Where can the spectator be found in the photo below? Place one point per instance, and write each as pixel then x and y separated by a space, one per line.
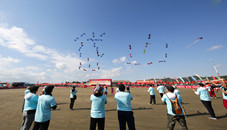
pixel 174 109
pixel 43 114
pixel 72 97
pixel 98 109
pixel 124 109
pixel 30 104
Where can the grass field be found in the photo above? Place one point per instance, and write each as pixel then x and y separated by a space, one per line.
pixel 147 116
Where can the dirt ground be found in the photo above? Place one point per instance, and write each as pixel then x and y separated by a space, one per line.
pixel 147 116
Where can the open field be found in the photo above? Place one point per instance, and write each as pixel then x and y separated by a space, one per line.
pixel 146 116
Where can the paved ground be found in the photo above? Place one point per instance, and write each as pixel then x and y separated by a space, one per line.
pixel 146 116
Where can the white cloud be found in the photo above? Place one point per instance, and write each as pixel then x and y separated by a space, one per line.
pixel 215 48
pixel 133 62
pixel 111 73
pixel 120 60
pixel 123 59
pixel 7 61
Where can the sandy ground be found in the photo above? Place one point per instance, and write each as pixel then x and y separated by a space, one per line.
pixel 147 116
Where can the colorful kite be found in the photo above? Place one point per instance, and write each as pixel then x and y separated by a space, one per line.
pixel 200 38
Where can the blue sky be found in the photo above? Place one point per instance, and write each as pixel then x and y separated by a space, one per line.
pixel 37 39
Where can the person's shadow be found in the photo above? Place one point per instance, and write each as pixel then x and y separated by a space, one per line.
pixel 223 116
pixel 197 114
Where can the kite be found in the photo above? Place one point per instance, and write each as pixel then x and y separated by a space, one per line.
pixel 130 55
pixel 181 79
pixel 144 51
pixel 137 63
pixel 199 77
pixel 161 61
pixel 176 79
pixel 200 38
pixel 166 45
pixel 128 62
pixel 130 47
pixel 102 34
pixel 93 34
pixel 91 63
pixel 149 63
pixel 102 55
pixel 166 55
pixel 149 36
pixel 79 49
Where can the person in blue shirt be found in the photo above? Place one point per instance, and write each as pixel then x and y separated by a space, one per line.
pixel 105 90
pixel 205 99
pixel 161 90
pixel 98 109
pixel 29 108
pixel 174 113
pixel 152 95
pixel 43 112
pixel 72 97
pixel 177 92
pixel 124 108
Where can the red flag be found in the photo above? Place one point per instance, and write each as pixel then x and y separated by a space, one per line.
pixel 213 77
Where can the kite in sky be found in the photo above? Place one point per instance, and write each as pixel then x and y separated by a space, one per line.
pixel 200 38
pixel 146 52
pixel 149 63
pixel 149 36
pixel 90 63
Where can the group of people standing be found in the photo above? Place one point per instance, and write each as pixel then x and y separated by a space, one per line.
pixel 37 108
pixel 124 109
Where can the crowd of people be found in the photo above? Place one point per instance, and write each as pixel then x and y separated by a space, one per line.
pixel 37 109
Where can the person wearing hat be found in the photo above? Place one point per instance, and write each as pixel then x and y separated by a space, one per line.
pixel 124 109
pixel 205 99
pixel 73 97
pixel 98 101
pixel 174 109
pixel 43 112
pixel 29 107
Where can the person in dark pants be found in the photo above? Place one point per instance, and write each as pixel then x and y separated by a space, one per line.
pixel 205 99
pixel 98 109
pixel 43 112
pixel 174 109
pixel 72 97
pixel 152 95
pixel 29 107
pixel 124 109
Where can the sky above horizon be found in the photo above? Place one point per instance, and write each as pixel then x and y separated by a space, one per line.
pixel 37 39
